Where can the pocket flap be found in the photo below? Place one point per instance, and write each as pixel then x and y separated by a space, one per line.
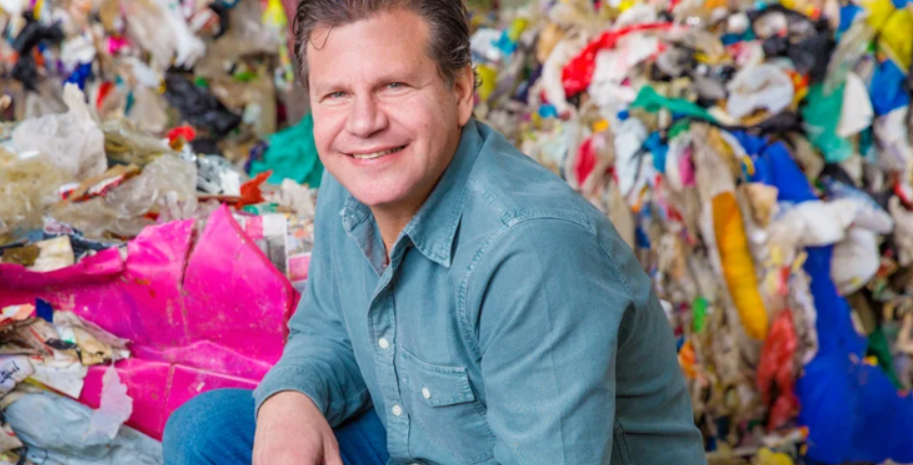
pixel 437 385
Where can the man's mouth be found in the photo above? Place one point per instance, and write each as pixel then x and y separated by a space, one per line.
pixel 373 155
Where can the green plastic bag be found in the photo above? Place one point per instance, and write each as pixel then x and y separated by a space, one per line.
pixel 292 154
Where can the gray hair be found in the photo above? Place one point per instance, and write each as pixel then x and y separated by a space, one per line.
pixel 448 21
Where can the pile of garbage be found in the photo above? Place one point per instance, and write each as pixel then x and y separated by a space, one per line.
pixel 117 115
pixel 757 157
pixel 157 188
pixel 46 355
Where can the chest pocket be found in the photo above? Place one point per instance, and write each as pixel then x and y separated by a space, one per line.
pixel 444 407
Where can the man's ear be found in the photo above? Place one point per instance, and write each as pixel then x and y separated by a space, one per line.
pixel 464 84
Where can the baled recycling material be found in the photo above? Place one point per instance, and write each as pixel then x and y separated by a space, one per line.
pixel 755 155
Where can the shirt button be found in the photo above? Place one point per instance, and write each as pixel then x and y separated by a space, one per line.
pixel 383 343
pixel 426 393
pixel 397 410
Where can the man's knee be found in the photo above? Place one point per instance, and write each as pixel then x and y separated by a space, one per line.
pixel 198 431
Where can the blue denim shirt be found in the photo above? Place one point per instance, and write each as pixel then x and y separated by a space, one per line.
pixel 512 326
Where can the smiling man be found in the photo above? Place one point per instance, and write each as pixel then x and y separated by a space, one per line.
pixel 465 306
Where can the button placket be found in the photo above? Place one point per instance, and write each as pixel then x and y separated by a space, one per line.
pixel 382 321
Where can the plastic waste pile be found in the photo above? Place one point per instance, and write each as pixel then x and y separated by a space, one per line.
pixel 757 157
pixel 151 206
pixel 46 352
pixel 116 115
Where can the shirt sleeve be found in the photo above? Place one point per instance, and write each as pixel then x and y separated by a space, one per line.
pixel 318 359
pixel 551 306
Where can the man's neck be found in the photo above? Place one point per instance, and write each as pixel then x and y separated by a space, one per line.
pixel 392 221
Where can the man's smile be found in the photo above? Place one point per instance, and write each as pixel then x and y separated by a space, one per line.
pixel 371 155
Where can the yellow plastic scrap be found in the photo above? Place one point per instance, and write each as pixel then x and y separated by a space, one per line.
pixel 879 11
pixel 489 78
pixel 626 4
pixel 769 457
pixel 896 38
pixel 738 268
pixel 517 28
pixel 893 26
pixel 274 14
pixel 804 7
pixel 39 6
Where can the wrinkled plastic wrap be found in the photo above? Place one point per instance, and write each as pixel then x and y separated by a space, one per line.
pixel 157 25
pixel 72 141
pixel 200 315
pixel 57 431
pixel 27 188
pixel 166 185
pixel 126 144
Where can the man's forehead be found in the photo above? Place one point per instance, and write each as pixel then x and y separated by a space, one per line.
pixel 377 49
pixel 387 29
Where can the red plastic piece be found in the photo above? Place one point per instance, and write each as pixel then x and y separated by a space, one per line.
pixel 578 73
pixel 777 367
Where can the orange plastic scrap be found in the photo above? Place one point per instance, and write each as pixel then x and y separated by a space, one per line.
pixel 738 268
pixel 777 367
pixel 250 190
pixel 688 360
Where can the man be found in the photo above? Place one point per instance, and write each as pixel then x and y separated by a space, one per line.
pixel 465 306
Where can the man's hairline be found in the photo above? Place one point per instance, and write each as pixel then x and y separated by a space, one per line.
pixel 451 83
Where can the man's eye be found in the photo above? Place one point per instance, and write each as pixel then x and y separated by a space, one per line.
pixel 396 85
pixel 338 94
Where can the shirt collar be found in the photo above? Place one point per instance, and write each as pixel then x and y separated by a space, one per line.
pixel 433 228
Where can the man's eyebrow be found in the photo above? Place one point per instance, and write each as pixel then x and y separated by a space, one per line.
pixel 327 87
pixel 397 75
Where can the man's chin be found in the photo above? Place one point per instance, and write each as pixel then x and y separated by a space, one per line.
pixel 377 198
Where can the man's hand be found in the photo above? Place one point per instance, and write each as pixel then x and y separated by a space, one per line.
pixel 292 431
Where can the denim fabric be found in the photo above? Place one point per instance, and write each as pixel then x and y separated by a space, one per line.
pixel 512 326
pixel 217 428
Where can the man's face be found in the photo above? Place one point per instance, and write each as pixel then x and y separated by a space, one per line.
pixel 386 123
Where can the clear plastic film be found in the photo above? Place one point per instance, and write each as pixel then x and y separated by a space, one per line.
pixel 27 188
pixel 167 185
pixel 72 141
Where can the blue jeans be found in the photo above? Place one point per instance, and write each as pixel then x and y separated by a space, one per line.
pixel 217 428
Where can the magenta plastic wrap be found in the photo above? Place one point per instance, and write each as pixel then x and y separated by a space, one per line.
pixel 199 317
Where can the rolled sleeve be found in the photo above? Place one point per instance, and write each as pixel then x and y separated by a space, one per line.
pixel 318 359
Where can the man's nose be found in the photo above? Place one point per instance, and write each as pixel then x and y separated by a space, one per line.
pixel 365 117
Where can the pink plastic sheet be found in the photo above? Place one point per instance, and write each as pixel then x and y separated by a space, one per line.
pixel 199 317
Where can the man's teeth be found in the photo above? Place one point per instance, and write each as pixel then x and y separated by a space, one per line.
pixel 371 156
